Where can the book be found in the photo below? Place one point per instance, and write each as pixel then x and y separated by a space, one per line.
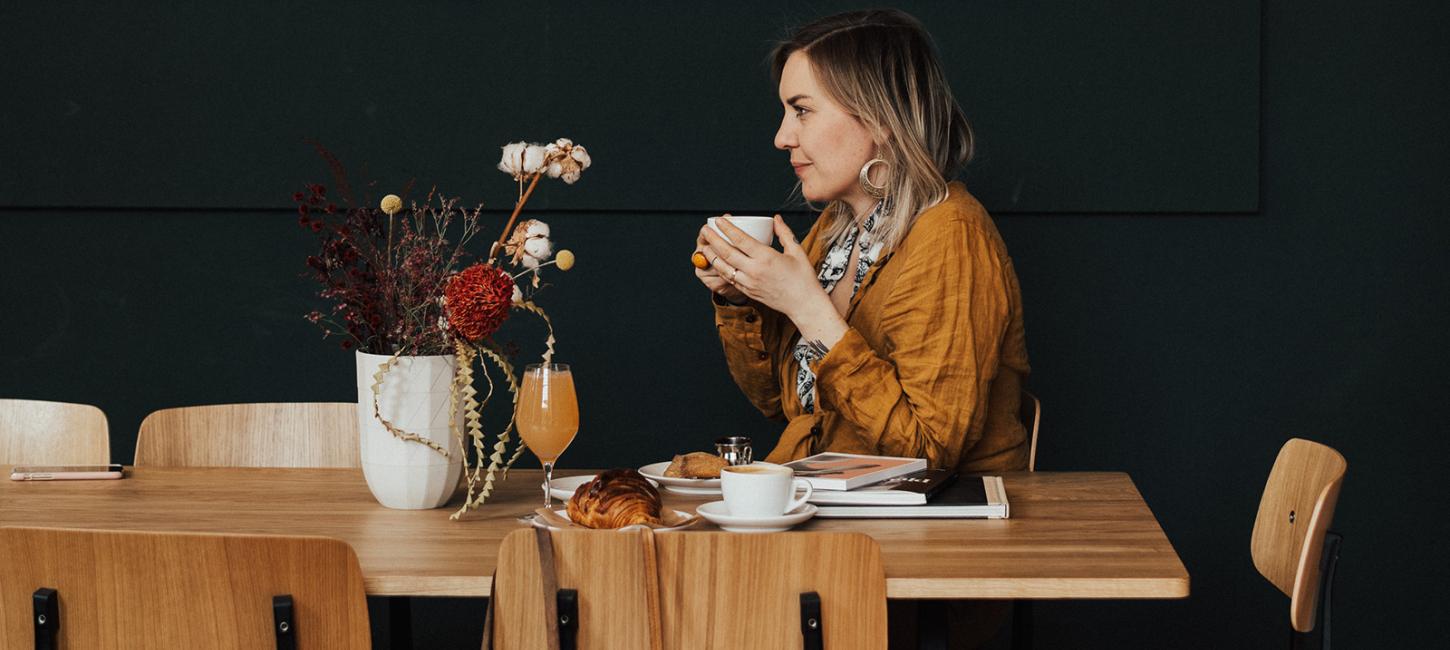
pixel 906 490
pixel 970 497
pixel 837 471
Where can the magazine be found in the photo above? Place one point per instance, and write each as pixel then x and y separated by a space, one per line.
pixel 837 471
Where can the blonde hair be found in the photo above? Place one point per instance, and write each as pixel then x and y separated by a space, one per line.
pixel 881 67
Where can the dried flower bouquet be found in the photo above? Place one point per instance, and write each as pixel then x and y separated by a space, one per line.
pixel 398 286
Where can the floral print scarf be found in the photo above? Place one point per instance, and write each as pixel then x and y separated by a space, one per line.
pixel 833 268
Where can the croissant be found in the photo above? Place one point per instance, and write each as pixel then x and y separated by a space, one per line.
pixel 615 499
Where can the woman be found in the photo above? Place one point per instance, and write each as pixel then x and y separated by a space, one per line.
pixel 895 326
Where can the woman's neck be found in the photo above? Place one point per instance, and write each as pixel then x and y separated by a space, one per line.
pixel 860 207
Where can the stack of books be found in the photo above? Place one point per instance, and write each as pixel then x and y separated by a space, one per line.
pixel 857 486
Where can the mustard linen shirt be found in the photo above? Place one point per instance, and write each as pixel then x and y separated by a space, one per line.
pixel 932 365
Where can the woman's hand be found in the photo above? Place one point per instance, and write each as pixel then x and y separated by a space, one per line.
pixel 710 275
pixel 784 281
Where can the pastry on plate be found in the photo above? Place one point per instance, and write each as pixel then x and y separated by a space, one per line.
pixel 698 464
pixel 615 499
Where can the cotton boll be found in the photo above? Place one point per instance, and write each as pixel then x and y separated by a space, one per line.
pixel 533 158
pixel 581 155
pixel 554 169
pixel 537 247
pixel 512 160
pixel 518 295
pixel 570 176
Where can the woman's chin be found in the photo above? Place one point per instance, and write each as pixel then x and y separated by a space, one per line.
pixel 813 194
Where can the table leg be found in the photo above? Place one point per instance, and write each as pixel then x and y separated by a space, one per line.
pixel 400 623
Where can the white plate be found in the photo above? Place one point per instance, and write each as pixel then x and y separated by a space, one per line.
pixel 656 471
pixel 564 486
pixel 716 513
pixel 694 492
pixel 564 513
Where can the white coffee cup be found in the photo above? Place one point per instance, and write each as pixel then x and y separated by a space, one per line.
pixel 761 228
pixel 761 490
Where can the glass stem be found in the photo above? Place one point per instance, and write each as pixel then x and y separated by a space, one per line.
pixel 548 483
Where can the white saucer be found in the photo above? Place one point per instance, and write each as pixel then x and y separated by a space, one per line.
pixel 564 486
pixel 716 513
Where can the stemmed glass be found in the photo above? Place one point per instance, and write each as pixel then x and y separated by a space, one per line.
pixel 548 415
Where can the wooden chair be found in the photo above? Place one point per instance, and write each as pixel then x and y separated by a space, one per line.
pixel 635 589
pixel 170 590
pixel 1292 545
pixel 34 432
pixel 1030 410
pixel 306 434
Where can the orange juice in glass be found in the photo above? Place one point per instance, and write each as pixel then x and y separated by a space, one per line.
pixel 548 415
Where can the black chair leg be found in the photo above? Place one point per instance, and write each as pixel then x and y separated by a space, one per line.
pixel 1328 563
pixel 1021 625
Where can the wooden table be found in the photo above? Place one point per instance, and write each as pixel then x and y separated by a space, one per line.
pixel 1071 535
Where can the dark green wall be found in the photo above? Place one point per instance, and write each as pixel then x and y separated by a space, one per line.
pixel 1230 230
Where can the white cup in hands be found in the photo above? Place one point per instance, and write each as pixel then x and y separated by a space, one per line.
pixel 761 228
pixel 762 490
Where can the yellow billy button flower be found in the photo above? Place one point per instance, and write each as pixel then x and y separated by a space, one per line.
pixel 564 260
pixel 392 204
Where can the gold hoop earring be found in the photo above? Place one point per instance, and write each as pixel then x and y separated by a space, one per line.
pixel 876 191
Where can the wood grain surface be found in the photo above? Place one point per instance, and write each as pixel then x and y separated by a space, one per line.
pixel 1071 535
pixel 35 432
pixel 266 434
pixel 168 590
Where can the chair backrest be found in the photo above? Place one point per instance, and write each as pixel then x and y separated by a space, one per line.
pixel 1030 410
pixel 725 590
pixel 705 590
pixel 306 434
pixel 1294 513
pixel 613 572
pixel 34 432
pixel 172 590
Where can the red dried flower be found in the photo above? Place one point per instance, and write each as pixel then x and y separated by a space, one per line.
pixel 478 299
pixel 302 209
pixel 297 196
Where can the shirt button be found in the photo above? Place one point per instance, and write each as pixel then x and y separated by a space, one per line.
pixel 750 318
pixel 764 355
pixel 816 430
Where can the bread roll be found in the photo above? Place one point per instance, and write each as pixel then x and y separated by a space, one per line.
pixel 615 499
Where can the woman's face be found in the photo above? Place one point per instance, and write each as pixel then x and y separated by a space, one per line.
pixel 827 145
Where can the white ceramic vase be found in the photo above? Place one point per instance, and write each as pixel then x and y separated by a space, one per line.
pixel 415 398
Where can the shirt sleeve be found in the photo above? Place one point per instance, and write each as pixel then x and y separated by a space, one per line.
pixel 746 334
pixel 925 394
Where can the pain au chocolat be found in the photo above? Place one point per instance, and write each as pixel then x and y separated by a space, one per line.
pixel 614 499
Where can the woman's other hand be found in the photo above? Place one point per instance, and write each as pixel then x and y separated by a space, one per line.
pixel 710 275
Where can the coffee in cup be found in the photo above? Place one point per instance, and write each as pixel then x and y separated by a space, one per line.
pixel 761 228
pixel 762 490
